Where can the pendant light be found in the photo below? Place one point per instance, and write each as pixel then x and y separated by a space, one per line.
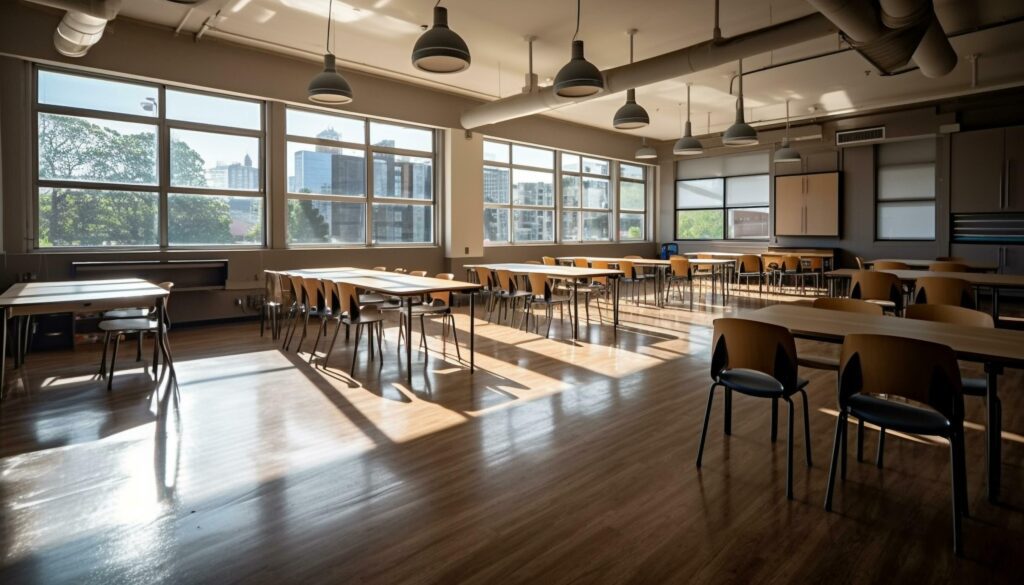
pixel 578 78
pixel 786 154
pixel 687 144
pixel 440 50
pixel 740 133
pixel 329 87
pixel 645 152
pixel 631 115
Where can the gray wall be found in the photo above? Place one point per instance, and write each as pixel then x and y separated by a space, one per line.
pixel 154 53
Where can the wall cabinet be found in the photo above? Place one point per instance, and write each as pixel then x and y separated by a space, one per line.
pixel 1009 259
pixel 987 171
pixel 807 205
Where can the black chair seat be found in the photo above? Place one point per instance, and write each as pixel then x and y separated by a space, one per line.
pixel 137 313
pixel 975 386
pixel 898 416
pixel 755 383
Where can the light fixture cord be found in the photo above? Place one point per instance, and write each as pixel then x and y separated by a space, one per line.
pixel 330 8
pixel 687 102
pixel 631 47
pixel 787 121
pixel 575 34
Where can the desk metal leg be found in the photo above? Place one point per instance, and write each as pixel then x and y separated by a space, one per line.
pixel 575 309
pixel 472 330
pixel 993 432
pixel 995 305
pixel 3 354
pixel 615 305
pixel 161 339
pixel 408 340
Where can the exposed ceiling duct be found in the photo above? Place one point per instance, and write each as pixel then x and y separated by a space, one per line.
pixel 903 29
pixel 670 65
pixel 82 25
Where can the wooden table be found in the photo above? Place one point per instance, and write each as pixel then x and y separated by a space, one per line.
pixel 978 280
pixel 25 299
pixel 569 273
pixel 995 348
pixel 661 267
pixel 405 287
pixel 919 264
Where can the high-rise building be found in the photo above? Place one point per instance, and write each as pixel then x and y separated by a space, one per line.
pixel 234 176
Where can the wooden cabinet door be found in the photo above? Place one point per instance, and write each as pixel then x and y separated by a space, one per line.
pixel 789 205
pixel 823 183
pixel 821 217
pixel 976 172
pixel 1013 169
pixel 1013 260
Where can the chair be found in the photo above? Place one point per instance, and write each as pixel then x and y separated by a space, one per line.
pixel 962 316
pixel 485 278
pixel 541 294
pixel 948 266
pixel 137 313
pixel 888 265
pixel 273 300
pixel 127 325
pixel 860 263
pixel 644 274
pixel 439 305
pixel 749 266
pixel 759 360
pixel 549 261
pixel 679 272
pixel 837 304
pixel 298 308
pixel 509 295
pixel 813 267
pixel 585 287
pixel 630 279
pixel 941 290
pixel 418 273
pixel 536 262
pixel 875 372
pixel 351 313
pixel 791 267
pixel 381 268
pixel 877 287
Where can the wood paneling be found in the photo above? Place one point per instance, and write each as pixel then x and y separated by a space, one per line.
pixel 977 171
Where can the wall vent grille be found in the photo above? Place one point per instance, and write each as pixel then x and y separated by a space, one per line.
pixel 861 136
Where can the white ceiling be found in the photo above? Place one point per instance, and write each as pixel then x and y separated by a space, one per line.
pixel 378 35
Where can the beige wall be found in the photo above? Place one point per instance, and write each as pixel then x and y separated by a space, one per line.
pixel 138 50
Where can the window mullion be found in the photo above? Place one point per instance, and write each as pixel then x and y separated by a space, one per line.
pixel 164 166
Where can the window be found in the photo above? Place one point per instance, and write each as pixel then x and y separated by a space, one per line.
pixel 734 208
pixel 527 196
pixel 358 182
pixel 586 199
pixel 905 205
pixel 632 202
pixel 99 151
pixel 519 193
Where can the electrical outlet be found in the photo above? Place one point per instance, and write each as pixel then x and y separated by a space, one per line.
pixel 238 302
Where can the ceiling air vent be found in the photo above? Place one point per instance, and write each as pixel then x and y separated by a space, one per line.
pixel 860 136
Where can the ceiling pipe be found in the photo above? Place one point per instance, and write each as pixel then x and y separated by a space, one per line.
pixel 664 67
pixel 82 25
pixel 934 55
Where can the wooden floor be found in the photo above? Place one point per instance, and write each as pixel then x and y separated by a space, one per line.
pixel 554 463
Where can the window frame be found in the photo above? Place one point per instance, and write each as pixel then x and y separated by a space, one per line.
pixel 368 199
pixel 163 187
pixel 620 211
pixel 724 208
pixel 881 203
pixel 581 209
pixel 511 206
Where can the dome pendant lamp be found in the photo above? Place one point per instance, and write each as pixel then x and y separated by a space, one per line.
pixel 579 77
pixel 740 133
pixel 440 50
pixel 786 153
pixel 328 87
pixel 631 115
pixel 645 152
pixel 687 144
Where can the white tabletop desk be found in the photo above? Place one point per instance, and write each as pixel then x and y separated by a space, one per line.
pixel 75 296
pixel 723 265
pixel 401 285
pixel 995 348
pixel 569 273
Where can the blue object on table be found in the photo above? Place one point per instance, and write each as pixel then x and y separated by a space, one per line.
pixel 669 250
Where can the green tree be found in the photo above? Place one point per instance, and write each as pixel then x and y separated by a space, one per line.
pixel 77 149
pixel 700 224
pixel 305 223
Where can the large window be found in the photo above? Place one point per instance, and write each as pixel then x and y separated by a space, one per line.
pixel 525 191
pixel 519 193
pixel 716 208
pixel 353 181
pixel 101 147
pixel 905 206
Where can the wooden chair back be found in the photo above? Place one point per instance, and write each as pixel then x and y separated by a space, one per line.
pixel 947 266
pixel 381 268
pixel 549 261
pixel 444 296
pixel 704 267
pixel 627 268
pixel 507 281
pixel 272 287
pixel 580 263
pixel 537 262
pixel 921 371
pixel 401 270
pixel 814 263
pixel 883 265
pixel 848 305
pixel 680 266
pixel 749 263
pixel 539 285
pixel 860 263
pixel 418 273
pixel 600 265
pixel 483 275
pixel 740 343
pixel 313 293
pixel 791 264
pixel 951 314
pixel 870 285
pixel 942 290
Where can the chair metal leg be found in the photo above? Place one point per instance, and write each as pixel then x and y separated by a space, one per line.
pixel 881 447
pixel 836 446
pixel 156 353
pixel 860 440
pixel 958 498
pixel 842 454
pixel 113 358
pixel 355 350
pixel 138 348
pixel 704 429
pixel 455 337
pixel 327 356
pixel 727 418
pixel 319 332
pixel 775 419
pixel 789 452
pixel 807 428
pixel 103 358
